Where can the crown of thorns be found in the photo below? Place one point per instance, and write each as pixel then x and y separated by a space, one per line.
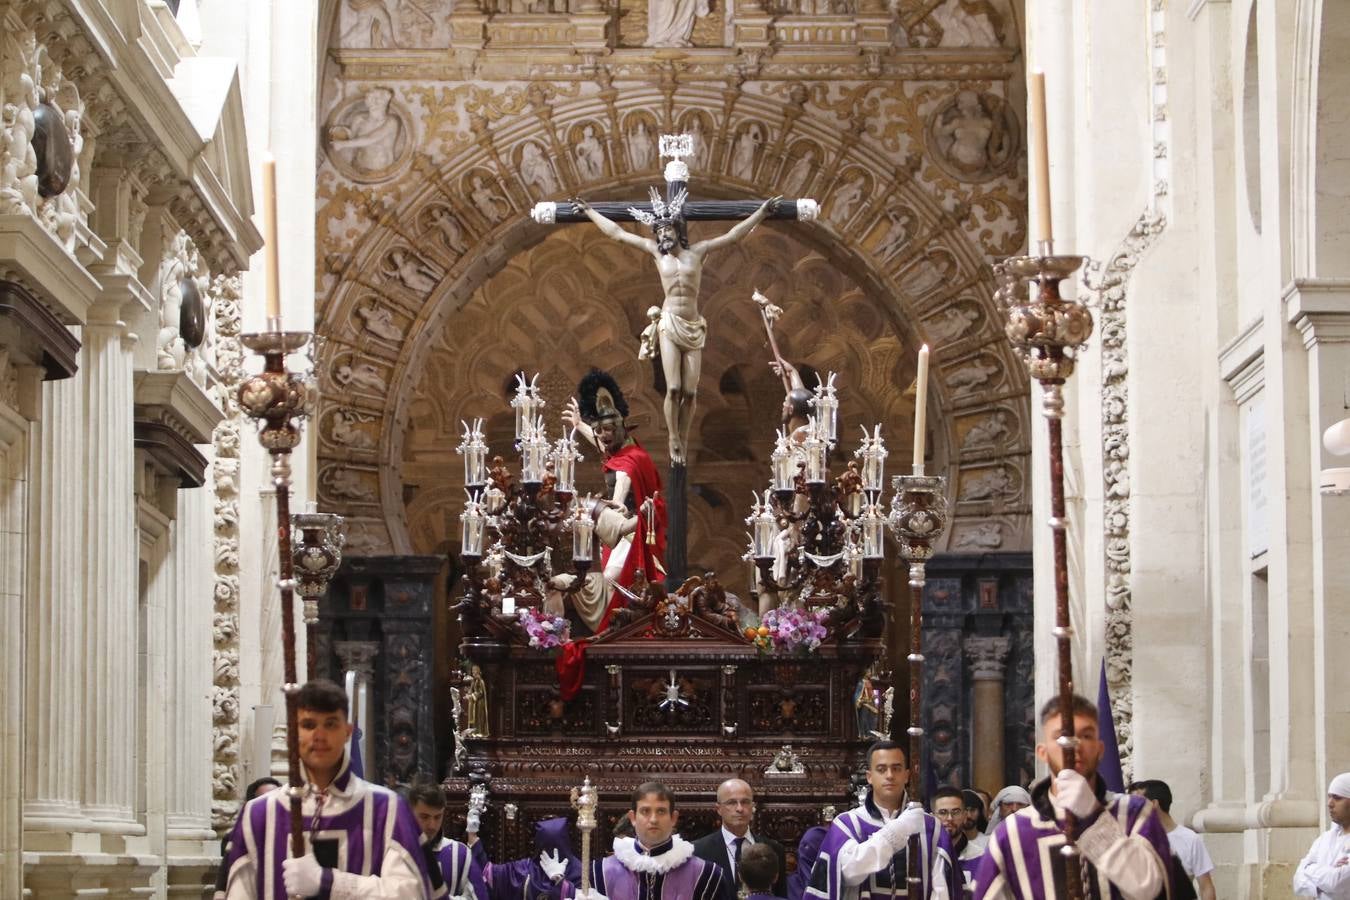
pixel 662 213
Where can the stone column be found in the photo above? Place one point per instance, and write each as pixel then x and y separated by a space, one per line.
pixel 13 566
pixel 988 657
pixel 109 554
pixel 188 805
pixel 56 624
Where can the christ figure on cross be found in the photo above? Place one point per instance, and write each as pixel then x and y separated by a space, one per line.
pixel 681 330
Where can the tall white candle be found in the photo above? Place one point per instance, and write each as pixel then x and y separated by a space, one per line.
pixel 1040 155
pixel 920 409
pixel 273 268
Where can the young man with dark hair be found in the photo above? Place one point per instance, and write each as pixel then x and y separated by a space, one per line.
pixel 758 871
pixel 949 806
pixel 658 864
pixel 1122 849
pixel 1187 847
pixel 362 839
pixel 448 862
pixel 736 809
pixel 865 855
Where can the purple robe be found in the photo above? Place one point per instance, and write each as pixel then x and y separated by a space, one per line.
pixel 362 826
pixel 692 879
pixel 524 879
pixel 459 870
pixel 1023 860
pixel 859 824
pixel 807 850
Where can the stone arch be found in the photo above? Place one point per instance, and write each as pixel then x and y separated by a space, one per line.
pixel 1321 132
pixel 899 281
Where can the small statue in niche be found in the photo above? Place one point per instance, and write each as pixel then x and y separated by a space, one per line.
pixel 475 701
pixel 590 155
pixel 865 707
pixel 640 147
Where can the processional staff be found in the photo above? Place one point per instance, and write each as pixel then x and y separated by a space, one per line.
pixel 584 800
pixel 918 518
pixel 279 400
pixel 1047 332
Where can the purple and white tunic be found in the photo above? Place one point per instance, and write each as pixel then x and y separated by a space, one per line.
pixel 668 871
pixel 859 861
pixel 364 835
pixel 1124 851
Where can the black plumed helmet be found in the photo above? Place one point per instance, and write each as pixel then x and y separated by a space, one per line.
pixel 599 397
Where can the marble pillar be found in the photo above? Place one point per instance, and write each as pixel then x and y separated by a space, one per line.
pixel 56 625
pixel 13 529
pixel 108 553
pixel 188 804
pixel 988 657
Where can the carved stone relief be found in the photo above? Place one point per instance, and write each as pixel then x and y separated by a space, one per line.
pixel 361 376
pixel 536 170
pixel 18 161
pixel 371 138
pixel 590 153
pixel 225 630
pixel 974 136
pixel 952 323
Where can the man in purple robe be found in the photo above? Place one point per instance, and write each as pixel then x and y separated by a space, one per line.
pixel 658 864
pixel 808 848
pixel 362 839
pixel 448 861
pixel 1123 850
pixel 865 854
pixel 541 876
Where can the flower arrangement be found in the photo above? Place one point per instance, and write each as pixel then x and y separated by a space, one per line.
pixel 788 629
pixel 545 630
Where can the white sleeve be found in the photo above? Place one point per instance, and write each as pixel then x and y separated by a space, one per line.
pixel 399 879
pixel 240 885
pixel 1200 862
pixel 857 861
pixel 1129 862
pixel 1304 885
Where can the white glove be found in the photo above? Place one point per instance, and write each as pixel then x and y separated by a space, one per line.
pixel 302 876
pixel 1073 794
pixel 471 821
pixel 907 824
pixel 555 867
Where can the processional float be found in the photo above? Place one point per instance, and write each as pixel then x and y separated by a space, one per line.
pixel 279 400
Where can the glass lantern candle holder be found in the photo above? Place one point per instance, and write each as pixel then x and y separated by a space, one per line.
pixel 815 448
pixel 826 406
pixel 474 451
pixel 784 463
pixel 853 556
pixel 873 532
pixel 494 501
pixel 473 525
pixel 872 454
pixel 583 533
pixel 527 403
pixel 763 529
pixel 533 452
pixel 565 459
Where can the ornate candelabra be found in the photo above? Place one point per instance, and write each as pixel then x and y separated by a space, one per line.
pixel 1048 331
pixel 529 520
pixel 823 534
pixel 279 400
pixel 317 539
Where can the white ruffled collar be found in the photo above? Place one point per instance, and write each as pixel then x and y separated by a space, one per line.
pixel 625 850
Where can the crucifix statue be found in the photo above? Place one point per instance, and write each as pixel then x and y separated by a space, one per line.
pixel 680 330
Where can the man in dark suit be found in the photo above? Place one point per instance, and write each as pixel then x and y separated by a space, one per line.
pixel 736 807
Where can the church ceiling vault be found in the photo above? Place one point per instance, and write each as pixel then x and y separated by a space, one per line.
pixel 435 286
